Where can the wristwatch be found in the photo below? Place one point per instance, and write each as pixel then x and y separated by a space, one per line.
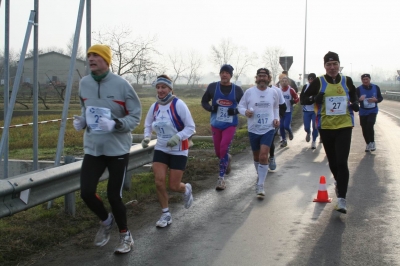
pixel 118 124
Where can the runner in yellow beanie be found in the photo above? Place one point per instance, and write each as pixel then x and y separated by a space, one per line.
pixel 103 50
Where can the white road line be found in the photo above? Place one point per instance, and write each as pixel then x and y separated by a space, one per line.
pixel 389 113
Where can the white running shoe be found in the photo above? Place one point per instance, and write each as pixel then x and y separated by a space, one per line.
pixel 260 191
pixel 220 184
pixel 188 199
pixel 103 235
pixel 341 205
pixel 368 147
pixel 308 137
pixel 372 146
pixel 125 243
pixel 272 163
pixel 313 145
pixel 165 220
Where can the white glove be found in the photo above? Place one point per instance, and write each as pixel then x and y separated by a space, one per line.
pixel 106 124
pixel 145 142
pixel 79 122
pixel 173 141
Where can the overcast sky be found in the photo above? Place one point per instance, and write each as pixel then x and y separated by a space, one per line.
pixel 364 33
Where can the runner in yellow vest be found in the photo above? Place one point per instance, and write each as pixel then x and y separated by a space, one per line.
pixel 335 100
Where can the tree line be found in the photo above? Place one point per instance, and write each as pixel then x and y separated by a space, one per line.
pixel 139 60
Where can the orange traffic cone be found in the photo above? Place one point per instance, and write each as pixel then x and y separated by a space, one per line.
pixel 322 195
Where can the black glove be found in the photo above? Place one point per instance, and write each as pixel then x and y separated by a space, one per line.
pixel 319 99
pixel 355 107
pixel 292 102
pixel 232 111
pixel 214 108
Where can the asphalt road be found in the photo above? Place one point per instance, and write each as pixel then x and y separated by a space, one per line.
pixel 233 227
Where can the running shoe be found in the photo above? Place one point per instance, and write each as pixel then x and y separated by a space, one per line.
pixel 284 143
pixel 313 145
pixel 336 189
pixel 125 243
pixel 103 235
pixel 188 199
pixel 272 163
pixel 165 220
pixel 341 205
pixel 372 146
pixel 260 191
pixel 220 184
pixel 228 167
pixel 308 137
pixel 368 147
pixel 290 135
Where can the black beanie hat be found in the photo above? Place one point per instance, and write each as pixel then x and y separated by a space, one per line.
pixel 227 68
pixel 331 56
pixel 311 76
pixel 365 76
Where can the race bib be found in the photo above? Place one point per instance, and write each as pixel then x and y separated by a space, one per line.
pixel 261 120
pixel 222 115
pixel 367 104
pixel 163 126
pixel 93 114
pixel 336 105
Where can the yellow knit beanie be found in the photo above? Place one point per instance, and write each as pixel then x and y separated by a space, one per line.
pixel 103 50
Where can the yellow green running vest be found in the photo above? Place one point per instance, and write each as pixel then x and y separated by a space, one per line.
pixel 335 111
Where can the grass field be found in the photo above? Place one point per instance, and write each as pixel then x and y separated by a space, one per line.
pixel 20 139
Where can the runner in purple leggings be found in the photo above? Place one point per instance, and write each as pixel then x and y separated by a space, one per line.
pixel 224 97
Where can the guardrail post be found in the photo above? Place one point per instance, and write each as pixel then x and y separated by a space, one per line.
pixel 128 181
pixel 69 199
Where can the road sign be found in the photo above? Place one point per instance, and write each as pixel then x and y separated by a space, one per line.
pixel 398 72
pixel 286 62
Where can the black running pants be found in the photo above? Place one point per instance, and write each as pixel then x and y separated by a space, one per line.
pixel 367 124
pixel 337 148
pixel 92 169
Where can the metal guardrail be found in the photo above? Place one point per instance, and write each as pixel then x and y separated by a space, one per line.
pixel 392 95
pixel 50 183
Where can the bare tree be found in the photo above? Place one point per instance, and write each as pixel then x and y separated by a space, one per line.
pixel 13 63
pixel 222 53
pixel 242 60
pixel 46 50
pixel 271 60
pixel 196 79
pixel 54 49
pixel 29 53
pixel 178 65
pixel 130 55
pixel 70 45
pixel 194 64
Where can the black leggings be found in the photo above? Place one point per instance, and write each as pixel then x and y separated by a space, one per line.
pixel 92 169
pixel 367 124
pixel 272 147
pixel 337 148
